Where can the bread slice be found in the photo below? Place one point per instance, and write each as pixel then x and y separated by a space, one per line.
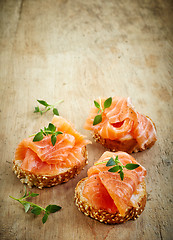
pixel 138 200
pixel 127 145
pixel 41 181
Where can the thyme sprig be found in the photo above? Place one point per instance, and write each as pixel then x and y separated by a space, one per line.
pixel 47 107
pixel 36 209
pixel 50 130
pixel 98 117
pixel 118 166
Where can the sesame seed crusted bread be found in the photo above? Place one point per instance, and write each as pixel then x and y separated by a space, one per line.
pixel 132 212
pixel 126 145
pixel 41 181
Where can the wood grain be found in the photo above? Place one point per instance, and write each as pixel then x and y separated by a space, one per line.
pixel 76 51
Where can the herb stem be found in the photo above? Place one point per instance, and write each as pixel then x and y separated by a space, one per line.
pixel 14 198
pixel 100 163
pixel 46 131
pixel 33 204
pixel 60 101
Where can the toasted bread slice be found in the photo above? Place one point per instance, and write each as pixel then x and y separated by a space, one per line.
pixel 138 200
pixel 127 145
pixel 41 181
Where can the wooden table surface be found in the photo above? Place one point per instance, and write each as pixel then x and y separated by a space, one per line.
pixel 76 51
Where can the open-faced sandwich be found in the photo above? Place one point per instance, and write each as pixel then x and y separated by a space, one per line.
pixel 114 191
pixel 119 127
pixel 52 156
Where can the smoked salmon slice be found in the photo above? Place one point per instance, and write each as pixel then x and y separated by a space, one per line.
pixel 45 159
pixel 98 194
pixel 122 127
pixel 101 183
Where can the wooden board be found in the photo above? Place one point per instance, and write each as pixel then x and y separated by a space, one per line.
pixel 76 51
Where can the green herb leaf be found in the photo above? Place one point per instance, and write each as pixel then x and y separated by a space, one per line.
pixel 34 194
pixel 58 132
pixel 108 103
pixel 53 139
pixel 44 103
pixel 55 111
pixel 45 217
pixel 36 210
pixel 25 192
pixel 26 206
pixel 116 159
pixel 52 208
pixel 122 175
pixel 37 110
pixel 97 119
pixel 111 162
pixel 114 169
pixel 97 104
pixel 38 137
pixel 131 166
pixel 51 127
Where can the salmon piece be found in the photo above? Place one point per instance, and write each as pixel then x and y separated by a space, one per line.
pixel 122 122
pixel 43 158
pixel 97 195
pixel 32 163
pixel 120 191
pixel 145 132
pixel 46 151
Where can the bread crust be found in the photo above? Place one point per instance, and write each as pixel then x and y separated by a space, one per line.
pixel 41 181
pixel 104 216
pixel 128 146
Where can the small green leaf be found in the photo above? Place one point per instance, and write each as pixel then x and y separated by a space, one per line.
pixel 25 192
pixel 44 103
pixel 37 110
pixel 108 103
pixel 58 132
pixel 122 175
pixel 26 206
pixel 45 217
pixel 38 137
pixel 53 139
pixel 34 194
pixel 116 159
pixel 51 127
pixel 52 208
pixel 97 119
pixel 131 166
pixel 111 162
pixel 55 111
pixel 97 104
pixel 114 169
pixel 36 210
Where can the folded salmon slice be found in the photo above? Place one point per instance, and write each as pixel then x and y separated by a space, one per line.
pixel 121 121
pixel 98 194
pixel 119 191
pixel 44 158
